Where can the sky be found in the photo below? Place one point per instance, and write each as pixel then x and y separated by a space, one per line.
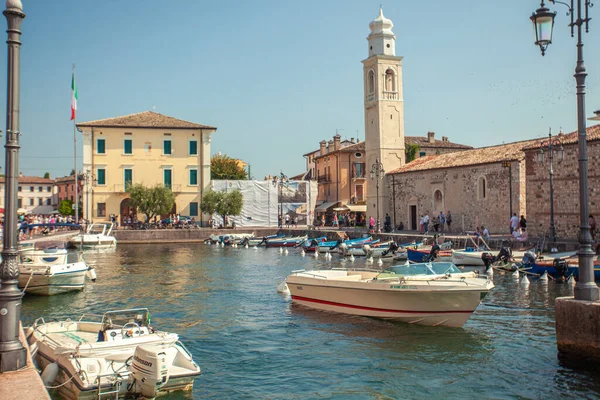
pixel 277 77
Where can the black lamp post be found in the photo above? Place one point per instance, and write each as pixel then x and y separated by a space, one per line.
pixel 377 173
pixel 280 181
pixel 543 21
pixel 12 353
pixel 554 149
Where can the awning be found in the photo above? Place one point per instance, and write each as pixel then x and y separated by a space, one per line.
pixel 357 207
pixel 326 206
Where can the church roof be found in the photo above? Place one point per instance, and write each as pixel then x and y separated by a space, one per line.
pixel 592 133
pixel 146 119
pixel 483 155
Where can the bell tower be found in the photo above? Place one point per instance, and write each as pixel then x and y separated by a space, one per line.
pixel 384 110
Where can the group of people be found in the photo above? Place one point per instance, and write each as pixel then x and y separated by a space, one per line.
pixel 28 224
pixel 518 227
pixel 440 223
pixel 339 220
pixel 288 220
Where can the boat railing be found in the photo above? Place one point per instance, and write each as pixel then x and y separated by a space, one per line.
pixel 187 352
pixel 114 379
pixel 313 274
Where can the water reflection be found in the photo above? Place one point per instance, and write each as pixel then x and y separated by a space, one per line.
pixel 253 343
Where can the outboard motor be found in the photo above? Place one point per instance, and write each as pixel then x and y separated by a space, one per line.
pixel 391 249
pixel 367 249
pixel 244 241
pixel 433 254
pixel 562 268
pixel 149 369
pixel 488 259
pixel 529 258
pixel 339 241
pixel 505 255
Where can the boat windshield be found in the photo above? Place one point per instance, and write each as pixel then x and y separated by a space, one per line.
pixel 141 316
pixel 436 268
pixel 97 229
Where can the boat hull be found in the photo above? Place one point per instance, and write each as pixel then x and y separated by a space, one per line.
pixel 397 301
pixel 48 285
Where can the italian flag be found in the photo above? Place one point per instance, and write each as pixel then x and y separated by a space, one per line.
pixel 73 97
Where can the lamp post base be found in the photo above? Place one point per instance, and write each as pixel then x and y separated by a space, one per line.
pixel 13 356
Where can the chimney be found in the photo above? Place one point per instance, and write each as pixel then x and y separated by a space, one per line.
pixel 444 138
pixel 336 142
pixel 322 145
pixel 20 174
pixel 431 137
pixel 330 146
pixel 351 140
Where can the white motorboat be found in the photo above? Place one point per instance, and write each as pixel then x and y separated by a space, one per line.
pixel 230 238
pixel 473 256
pixel 427 293
pixel 121 355
pixel 51 268
pixel 97 235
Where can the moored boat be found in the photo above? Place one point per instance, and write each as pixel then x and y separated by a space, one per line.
pixel 97 235
pixel 120 355
pixel 51 268
pixel 286 241
pixel 437 294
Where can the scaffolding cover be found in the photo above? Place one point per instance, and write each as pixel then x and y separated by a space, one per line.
pixel 263 201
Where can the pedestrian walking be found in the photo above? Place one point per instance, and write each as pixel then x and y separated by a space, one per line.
pixel 514 223
pixel 448 219
pixel 426 222
pixel 523 222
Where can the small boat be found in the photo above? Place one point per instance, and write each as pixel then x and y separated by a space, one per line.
pixel 436 294
pixel 474 256
pixel 259 241
pixel 97 235
pixel 558 268
pixel 229 238
pixel 311 245
pixel 119 355
pixel 333 246
pixel 286 241
pixel 51 268
pixel 421 254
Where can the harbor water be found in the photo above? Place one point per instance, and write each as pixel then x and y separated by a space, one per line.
pixel 253 343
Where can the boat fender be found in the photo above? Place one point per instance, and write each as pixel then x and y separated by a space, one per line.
pixel 29 332
pixel 91 274
pixel 50 373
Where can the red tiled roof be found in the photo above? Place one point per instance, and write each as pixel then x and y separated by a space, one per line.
pixel 30 179
pixel 146 119
pixel 592 133
pixel 483 155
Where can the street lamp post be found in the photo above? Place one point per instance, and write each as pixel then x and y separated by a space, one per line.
pixel 12 353
pixel 554 149
pixel 507 164
pixel 543 21
pixel 377 173
pixel 279 182
pixel 90 180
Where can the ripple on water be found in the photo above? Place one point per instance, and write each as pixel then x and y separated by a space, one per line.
pixel 253 343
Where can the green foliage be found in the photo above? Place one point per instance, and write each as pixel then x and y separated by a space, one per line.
pixel 411 152
pixel 72 172
pixel 222 203
pixel 225 167
pixel 47 175
pixel 152 201
pixel 66 207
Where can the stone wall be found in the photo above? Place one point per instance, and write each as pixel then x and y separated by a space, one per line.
pixel 461 190
pixel 566 191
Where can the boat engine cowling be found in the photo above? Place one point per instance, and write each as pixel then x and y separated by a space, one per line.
pixel 149 369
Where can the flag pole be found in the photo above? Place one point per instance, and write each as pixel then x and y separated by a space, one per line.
pixel 74 114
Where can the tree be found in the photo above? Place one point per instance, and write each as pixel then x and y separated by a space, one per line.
pixel 47 175
pixel 411 152
pixel 225 167
pixel 152 201
pixel 66 207
pixel 222 203
pixel 72 172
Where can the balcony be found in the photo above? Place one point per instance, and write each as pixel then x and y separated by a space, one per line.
pixel 390 95
pixel 359 175
pixel 323 179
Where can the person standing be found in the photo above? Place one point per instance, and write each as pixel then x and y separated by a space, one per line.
pixel 336 223
pixel 442 218
pixel 523 223
pixel 426 222
pixel 422 224
pixel 371 223
pixel 514 223
pixel 448 219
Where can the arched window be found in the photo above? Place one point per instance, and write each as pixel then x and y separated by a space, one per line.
pixel 371 82
pixel 390 81
pixel 481 188
pixel 438 200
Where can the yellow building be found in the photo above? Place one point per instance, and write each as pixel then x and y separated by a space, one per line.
pixel 147 148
